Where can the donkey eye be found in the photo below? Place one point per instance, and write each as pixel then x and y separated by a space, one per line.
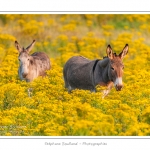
pixel 112 68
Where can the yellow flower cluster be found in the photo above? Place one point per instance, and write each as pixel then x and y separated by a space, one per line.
pixel 44 107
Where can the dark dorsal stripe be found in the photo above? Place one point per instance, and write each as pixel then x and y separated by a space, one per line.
pixel 95 65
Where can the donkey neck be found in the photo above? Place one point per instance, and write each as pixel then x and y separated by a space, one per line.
pixel 101 72
pixel 32 69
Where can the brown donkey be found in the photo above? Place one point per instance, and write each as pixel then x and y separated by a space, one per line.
pixel 82 73
pixel 31 66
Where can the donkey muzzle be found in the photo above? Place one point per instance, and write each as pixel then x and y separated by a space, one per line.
pixel 119 87
pixel 118 84
pixel 24 75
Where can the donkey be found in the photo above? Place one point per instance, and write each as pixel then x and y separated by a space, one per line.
pixel 82 73
pixel 32 66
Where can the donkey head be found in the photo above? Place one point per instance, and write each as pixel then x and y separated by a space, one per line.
pixel 24 58
pixel 115 69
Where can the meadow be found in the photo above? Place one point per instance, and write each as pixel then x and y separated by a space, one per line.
pixel 50 110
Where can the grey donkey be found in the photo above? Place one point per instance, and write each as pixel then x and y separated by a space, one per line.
pixel 82 73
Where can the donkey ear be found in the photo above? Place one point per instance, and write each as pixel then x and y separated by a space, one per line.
pixel 18 47
pixel 109 52
pixel 124 51
pixel 28 49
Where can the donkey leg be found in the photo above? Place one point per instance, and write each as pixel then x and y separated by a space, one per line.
pixel 93 90
pixel 69 89
pixel 105 93
pixel 67 86
pixel 109 87
pixel 30 90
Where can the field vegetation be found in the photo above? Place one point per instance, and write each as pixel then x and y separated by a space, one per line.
pixel 50 110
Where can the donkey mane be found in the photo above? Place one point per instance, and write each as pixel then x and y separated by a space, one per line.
pixel 105 57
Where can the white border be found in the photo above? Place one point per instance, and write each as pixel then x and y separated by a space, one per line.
pixel 75 5
pixel 80 143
